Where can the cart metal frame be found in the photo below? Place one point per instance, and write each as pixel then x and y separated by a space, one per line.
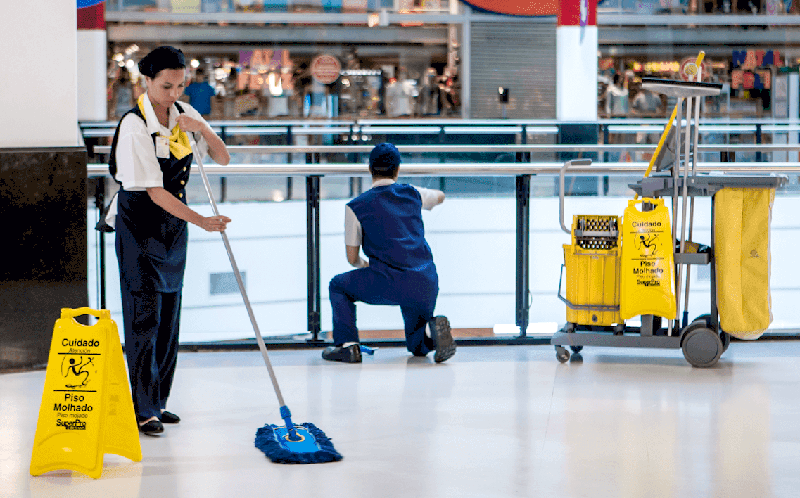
pixel 702 340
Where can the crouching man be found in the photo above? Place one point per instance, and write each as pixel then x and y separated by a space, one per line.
pixel 386 221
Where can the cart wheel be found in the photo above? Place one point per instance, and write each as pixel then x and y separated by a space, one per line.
pixel 726 340
pixel 576 349
pixel 701 346
pixel 562 354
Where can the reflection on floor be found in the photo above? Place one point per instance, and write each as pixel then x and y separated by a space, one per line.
pixel 491 422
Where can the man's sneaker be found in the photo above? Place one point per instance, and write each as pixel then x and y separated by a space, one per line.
pixel 442 339
pixel 347 354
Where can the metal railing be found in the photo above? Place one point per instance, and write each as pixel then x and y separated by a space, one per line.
pixel 522 171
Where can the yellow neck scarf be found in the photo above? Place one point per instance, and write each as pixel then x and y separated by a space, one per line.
pixel 179 144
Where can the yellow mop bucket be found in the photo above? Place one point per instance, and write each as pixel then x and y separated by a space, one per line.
pixel 647 282
pixel 86 409
pixel 592 270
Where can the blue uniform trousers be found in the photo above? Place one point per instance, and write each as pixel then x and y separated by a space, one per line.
pixel 151 320
pixel 415 291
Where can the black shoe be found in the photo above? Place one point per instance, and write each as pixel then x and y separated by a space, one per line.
pixel 151 427
pixel 169 418
pixel 442 339
pixel 349 354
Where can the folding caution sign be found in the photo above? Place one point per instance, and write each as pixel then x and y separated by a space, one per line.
pixel 86 409
pixel 647 281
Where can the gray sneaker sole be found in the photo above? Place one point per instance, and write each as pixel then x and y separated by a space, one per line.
pixel 445 345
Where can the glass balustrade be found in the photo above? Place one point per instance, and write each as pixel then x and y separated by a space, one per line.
pixel 472 236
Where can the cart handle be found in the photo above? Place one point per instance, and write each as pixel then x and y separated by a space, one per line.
pixel 567 165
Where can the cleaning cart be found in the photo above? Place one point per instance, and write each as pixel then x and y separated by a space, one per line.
pixel 635 266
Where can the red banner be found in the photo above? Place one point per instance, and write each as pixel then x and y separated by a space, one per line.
pixel 577 13
pixel 92 16
pixel 517 7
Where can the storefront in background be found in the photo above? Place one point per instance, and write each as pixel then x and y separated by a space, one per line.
pixel 746 75
pixel 280 84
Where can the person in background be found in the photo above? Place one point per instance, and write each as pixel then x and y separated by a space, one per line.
pixel 386 221
pixel 200 93
pixel 151 158
pixel 646 103
pixel 121 94
pixel 616 96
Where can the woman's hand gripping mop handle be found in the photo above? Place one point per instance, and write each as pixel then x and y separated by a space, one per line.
pixel 285 413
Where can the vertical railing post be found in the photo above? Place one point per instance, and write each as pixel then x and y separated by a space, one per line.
pixel 289 142
pixel 758 141
pixel 313 263
pixel 523 140
pixel 99 202
pixel 522 256
pixel 352 158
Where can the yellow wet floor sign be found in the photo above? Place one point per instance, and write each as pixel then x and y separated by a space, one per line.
pixel 87 409
pixel 647 281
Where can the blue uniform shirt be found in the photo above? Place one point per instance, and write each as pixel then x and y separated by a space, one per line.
pixel 392 228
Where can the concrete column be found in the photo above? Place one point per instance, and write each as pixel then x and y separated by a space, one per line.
pixel 39 83
pixel 576 63
pixel 92 61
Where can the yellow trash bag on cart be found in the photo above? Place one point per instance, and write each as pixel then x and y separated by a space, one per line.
pixel 741 250
pixel 647 279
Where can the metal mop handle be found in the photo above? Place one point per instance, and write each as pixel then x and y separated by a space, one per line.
pixel 695 143
pixel 263 347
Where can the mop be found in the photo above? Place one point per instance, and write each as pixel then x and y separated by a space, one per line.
pixel 301 443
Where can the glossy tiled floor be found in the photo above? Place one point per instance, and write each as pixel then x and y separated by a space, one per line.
pixel 494 421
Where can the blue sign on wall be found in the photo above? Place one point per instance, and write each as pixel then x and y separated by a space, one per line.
pixel 88 3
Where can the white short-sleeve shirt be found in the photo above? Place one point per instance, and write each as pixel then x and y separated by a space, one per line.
pixel 137 164
pixel 353 233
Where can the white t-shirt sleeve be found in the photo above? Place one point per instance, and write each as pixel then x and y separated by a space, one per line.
pixel 353 235
pixel 430 197
pixel 137 165
pixel 202 145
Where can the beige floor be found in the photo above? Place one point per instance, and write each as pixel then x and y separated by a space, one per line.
pixel 493 421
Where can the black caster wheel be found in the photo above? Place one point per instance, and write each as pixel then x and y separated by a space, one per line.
pixel 562 355
pixel 726 340
pixel 701 346
pixel 576 349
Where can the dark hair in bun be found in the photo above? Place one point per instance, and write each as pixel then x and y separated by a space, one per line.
pixel 164 57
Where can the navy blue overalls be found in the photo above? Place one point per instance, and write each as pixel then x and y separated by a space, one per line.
pixel 151 251
pixel 401 269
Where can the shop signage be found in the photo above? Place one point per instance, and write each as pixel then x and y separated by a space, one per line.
pixel 325 69
pixel 82 4
pixel 688 69
pixel 662 67
pixel 517 7
pixel 751 59
pixel 262 60
pixel 751 80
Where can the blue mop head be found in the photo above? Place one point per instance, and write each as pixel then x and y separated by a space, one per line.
pixel 314 446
